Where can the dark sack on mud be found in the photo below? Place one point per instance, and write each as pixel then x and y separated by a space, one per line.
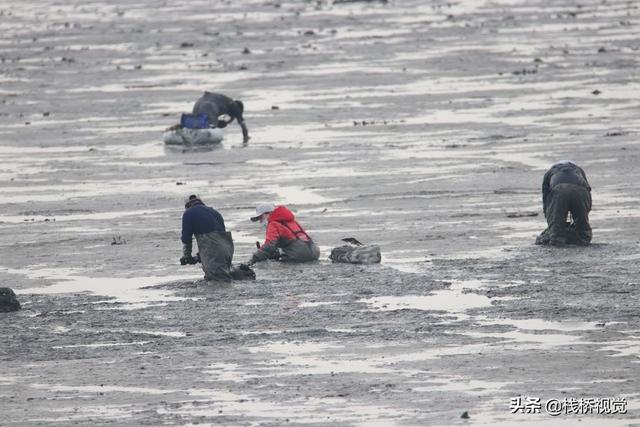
pixel 242 272
pixel 194 121
pixel 366 254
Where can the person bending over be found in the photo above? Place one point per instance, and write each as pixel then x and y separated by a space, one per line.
pixel 221 110
pixel 215 244
pixel 565 189
pixel 285 239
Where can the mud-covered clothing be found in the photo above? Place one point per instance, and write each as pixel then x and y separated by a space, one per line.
pixel 562 173
pixel 215 244
pixel 565 198
pixel 200 219
pixel 216 254
pixel 570 234
pixel 286 240
pixel 215 105
pixel 565 190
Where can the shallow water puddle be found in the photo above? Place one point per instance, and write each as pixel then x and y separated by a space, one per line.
pixel 122 290
pixel 528 159
pixel 307 410
pixel 16 219
pixel 542 325
pixel 87 188
pixel 293 347
pixel 228 372
pixel 317 304
pixel 312 135
pixel 100 388
pixel 309 358
pixel 624 348
pixel 103 344
pixel 452 300
pixel 298 195
pixel 407 261
pixel 495 253
pixel 541 340
pixel 464 385
pixel 536 331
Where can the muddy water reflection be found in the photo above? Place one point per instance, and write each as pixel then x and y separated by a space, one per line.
pixel 454 300
pixel 128 291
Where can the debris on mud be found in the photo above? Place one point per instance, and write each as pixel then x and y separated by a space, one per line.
pixel 522 214
pixel 616 133
pixel 118 240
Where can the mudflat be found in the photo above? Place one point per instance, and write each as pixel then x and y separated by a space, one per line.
pixel 422 127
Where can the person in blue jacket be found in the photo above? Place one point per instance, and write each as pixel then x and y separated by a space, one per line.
pixel 215 244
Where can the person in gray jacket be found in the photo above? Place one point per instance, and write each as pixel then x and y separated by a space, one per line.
pixel 565 189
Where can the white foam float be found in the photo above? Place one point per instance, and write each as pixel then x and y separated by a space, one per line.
pixel 189 137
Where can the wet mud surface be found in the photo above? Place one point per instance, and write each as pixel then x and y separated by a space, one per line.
pixel 422 127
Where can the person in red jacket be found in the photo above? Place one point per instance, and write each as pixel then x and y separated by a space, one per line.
pixel 286 240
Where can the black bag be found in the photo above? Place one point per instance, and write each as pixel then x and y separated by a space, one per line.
pixel 242 272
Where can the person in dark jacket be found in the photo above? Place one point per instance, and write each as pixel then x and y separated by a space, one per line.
pixel 215 244
pixel 565 189
pixel 216 106
pixel 285 239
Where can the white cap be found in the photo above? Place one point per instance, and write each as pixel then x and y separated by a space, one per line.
pixel 263 208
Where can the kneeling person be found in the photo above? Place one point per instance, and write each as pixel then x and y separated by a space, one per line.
pixel 565 189
pixel 215 244
pixel 286 240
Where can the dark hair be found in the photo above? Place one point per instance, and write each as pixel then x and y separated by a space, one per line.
pixel 192 201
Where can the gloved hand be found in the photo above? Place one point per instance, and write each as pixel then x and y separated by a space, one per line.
pixel 221 124
pixel 188 260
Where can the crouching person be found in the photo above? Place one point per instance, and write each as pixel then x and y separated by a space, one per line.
pixel 285 239
pixel 215 244
pixel 217 107
pixel 565 190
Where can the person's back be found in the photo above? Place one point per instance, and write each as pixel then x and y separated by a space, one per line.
pixel 567 173
pixel 218 99
pixel 215 244
pixel 201 219
pixel 285 226
pixel 215 105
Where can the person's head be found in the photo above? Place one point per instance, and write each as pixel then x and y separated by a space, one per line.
pixel 564 162
pixel 263 212
pixel 192 201
pixel 236 109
